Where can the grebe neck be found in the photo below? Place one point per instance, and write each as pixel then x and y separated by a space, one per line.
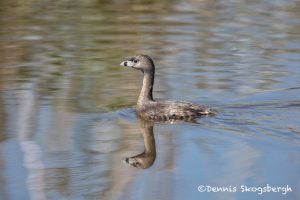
pixel 146 92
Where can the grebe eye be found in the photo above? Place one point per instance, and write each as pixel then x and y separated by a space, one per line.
pixel 135 61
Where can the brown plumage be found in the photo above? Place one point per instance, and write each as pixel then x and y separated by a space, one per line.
pixel 148 108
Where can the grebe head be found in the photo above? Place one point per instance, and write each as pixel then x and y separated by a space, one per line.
pixel 140 62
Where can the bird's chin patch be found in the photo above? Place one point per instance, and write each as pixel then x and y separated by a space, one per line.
pixel 133 67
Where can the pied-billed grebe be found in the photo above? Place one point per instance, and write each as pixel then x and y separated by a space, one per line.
pixel 150 109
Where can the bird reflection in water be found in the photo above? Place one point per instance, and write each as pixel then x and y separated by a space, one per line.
pixel 147 157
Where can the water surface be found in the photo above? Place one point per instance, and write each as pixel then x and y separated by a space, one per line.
pixel 67 117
